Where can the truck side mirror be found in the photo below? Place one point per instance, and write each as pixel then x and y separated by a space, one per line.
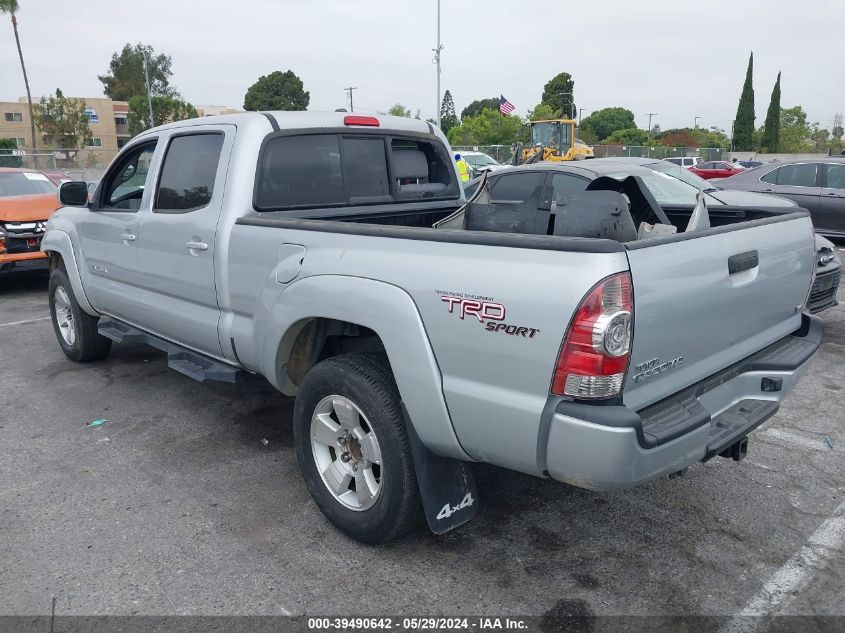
pixel 73 194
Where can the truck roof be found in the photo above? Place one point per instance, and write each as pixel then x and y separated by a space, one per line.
pixel 303 120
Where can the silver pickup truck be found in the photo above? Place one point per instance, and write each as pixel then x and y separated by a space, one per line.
pixel 302 247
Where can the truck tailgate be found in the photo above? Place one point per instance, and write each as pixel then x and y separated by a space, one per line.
pixel 704 301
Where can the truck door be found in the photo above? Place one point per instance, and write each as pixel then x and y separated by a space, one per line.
pixel 108 234
pixel 176 246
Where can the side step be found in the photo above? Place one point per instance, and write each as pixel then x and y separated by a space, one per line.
pixel 191 364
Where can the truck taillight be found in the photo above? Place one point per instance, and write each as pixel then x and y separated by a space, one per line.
pixel 594 355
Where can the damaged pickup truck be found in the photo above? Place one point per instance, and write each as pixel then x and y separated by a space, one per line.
pixel 585 338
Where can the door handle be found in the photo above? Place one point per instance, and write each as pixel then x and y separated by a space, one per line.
pixel 127 237
pixel 766 190
pixel 833 195
pixel 742 261
pixel 197 246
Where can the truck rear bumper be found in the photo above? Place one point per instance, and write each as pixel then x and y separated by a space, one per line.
pixel 610 447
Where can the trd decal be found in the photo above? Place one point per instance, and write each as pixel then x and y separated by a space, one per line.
pixel 479 309
pixel 488 313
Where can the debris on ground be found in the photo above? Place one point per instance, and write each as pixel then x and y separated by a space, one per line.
pixel 264 442
pixel 829 442
pixel 94 423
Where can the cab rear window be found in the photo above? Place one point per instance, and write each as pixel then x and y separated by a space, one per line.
pixel 331 170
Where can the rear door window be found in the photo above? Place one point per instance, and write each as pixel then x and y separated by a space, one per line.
pixel 567 183
pixel 803 175
pixel 188 173
pixel 516 187
pixel 835 176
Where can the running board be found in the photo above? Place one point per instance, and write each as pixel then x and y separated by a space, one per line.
pixel 191 364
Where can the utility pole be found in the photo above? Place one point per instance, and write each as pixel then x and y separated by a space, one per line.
pixel 436 60
pixel 149 92
pixel 580 110
pixel 650 114
pixel 349 90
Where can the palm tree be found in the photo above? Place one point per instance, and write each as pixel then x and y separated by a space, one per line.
pixel 11 7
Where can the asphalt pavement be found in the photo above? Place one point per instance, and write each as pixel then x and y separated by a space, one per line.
pixel 188 500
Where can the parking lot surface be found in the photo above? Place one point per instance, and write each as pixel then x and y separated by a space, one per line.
pixel 188 500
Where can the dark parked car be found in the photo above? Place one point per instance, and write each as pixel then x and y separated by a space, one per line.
pixel 817 185
pixel 750 164
pixel 674 188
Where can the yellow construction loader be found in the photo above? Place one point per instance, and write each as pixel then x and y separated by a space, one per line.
pixel 554 140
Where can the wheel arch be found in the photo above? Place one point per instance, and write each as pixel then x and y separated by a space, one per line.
pixel 316 312
pixel 58 246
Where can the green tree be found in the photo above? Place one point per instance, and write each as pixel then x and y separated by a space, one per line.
pixel 744 123
pixel 11 7
pixel 277 91
pixel 631 136
pixel 448 116
pixel 7 159
pixel 795 133
pixel 165 110
pixel 478 105
pixel 836 139
pixel 398 109
pixel 126 78
pixel 488 127
pixel 63 122
pixel 543 112
pixel 605 122
pixel 558 93
pixel 771 130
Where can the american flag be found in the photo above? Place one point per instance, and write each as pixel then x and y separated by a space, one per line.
pixel 505 106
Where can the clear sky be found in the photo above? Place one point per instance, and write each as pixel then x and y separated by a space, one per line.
pixel 678 58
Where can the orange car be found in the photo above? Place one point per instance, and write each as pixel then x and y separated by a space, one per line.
pixel 27 198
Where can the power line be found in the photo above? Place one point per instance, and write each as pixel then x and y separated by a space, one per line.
pixel 349 89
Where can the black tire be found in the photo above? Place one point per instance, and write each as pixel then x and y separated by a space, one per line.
pixel 87 344
pixel 366 380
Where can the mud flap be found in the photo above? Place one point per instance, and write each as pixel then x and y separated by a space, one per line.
pixel 447 486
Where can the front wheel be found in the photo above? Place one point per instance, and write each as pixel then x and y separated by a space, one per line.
pixel 76 330
pixel 353 450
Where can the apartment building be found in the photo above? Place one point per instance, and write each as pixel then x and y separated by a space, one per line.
pixel 107 119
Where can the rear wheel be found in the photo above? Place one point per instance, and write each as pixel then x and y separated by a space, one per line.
pixel 352 448
pixel 76 330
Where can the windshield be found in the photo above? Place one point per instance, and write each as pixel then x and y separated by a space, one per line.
pixel 545 134
pixel 479 160
pixel 24 183
pixel 670 189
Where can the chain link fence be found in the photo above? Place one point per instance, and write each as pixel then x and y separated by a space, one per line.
pixel 86 164
pixel 504 153
pixel 659 151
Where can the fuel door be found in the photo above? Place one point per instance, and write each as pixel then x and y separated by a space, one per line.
pixel 291 257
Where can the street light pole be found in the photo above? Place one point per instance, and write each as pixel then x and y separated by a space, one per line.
pixel 436 60
pixel 580 110
pixel 695 125
pixel 149 92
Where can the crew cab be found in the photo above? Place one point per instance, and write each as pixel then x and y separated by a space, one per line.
pixel 337 256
